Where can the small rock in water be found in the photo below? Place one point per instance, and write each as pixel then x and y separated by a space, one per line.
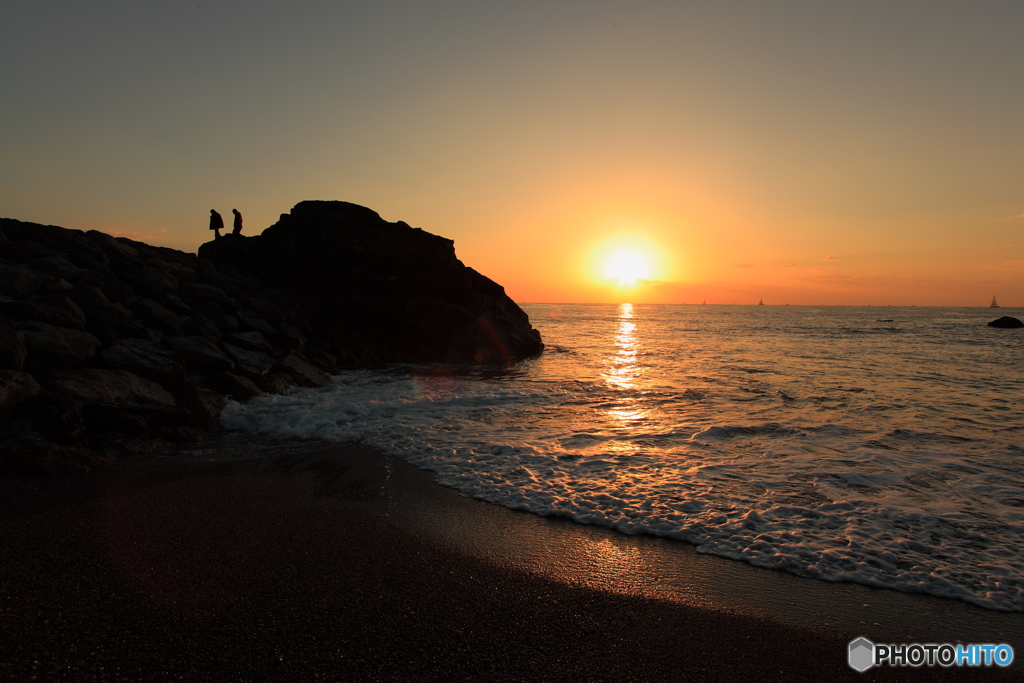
pixel 1006 322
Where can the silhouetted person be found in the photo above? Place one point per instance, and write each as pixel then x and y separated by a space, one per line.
pixel 216 223
pixel 238 222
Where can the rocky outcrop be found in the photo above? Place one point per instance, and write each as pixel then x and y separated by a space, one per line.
pixel 110 346
pixel 377 292
pixel 1006 322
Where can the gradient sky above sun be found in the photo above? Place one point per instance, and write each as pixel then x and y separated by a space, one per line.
pixel 799 152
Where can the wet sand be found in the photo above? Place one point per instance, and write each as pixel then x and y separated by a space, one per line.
pixel 250 560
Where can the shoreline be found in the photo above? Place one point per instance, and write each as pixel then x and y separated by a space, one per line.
pixel 248 558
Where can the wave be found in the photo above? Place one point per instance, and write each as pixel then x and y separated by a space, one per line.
pixel 820 444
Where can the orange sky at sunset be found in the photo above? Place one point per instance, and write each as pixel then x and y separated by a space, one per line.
pixel 803 153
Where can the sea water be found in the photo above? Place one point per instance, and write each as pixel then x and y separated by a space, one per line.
pixel 878 445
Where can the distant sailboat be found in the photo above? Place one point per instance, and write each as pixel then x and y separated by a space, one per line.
pixel 705 302
pixel 761 302
pixel 993 304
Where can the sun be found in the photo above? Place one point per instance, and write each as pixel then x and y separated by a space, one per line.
pixel 627 267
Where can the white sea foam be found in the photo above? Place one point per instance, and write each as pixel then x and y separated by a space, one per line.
pixel 796 445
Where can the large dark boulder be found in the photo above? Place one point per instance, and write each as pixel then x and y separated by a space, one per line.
pixel 56 348
pixel 157 316
pixel 277 382
pixel 110 386
pixel 61 301
pixel 204 406
pixel 112 288
pixel 302 373
pixel 57 267
pixel 42 312
pixel 1006 322
pixel 145 358
pixel 19 281
pixel 201 292
pixel 379 291
pixel 200 354
pixel 199 325
pixel 251 321
pixel 252 364
pixel 16 386
pixel 254 341
pixel 149 281
pixel 91 299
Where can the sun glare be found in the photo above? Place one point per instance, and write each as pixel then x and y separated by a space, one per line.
pixel 627 267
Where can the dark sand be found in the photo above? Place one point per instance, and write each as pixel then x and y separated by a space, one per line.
pixel 304 562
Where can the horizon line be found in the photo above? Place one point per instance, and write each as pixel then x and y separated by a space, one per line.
pixel 619 303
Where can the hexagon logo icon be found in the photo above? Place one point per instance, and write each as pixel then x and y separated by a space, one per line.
pixel 862 654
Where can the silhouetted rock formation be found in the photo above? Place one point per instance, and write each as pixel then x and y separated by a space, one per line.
pixel 1007 322
pixel 110 346
pixel 378 292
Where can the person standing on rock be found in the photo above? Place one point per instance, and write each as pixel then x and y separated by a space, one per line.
pixel 238 222
pixel 216 223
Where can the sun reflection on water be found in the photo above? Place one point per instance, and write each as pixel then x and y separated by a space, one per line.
pixel 622 367
pixel 623 371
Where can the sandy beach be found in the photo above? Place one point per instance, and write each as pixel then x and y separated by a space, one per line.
pixel 249 559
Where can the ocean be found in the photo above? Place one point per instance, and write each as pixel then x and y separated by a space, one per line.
pixel 877 445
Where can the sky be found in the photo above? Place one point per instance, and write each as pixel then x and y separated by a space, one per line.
pixel 797 152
